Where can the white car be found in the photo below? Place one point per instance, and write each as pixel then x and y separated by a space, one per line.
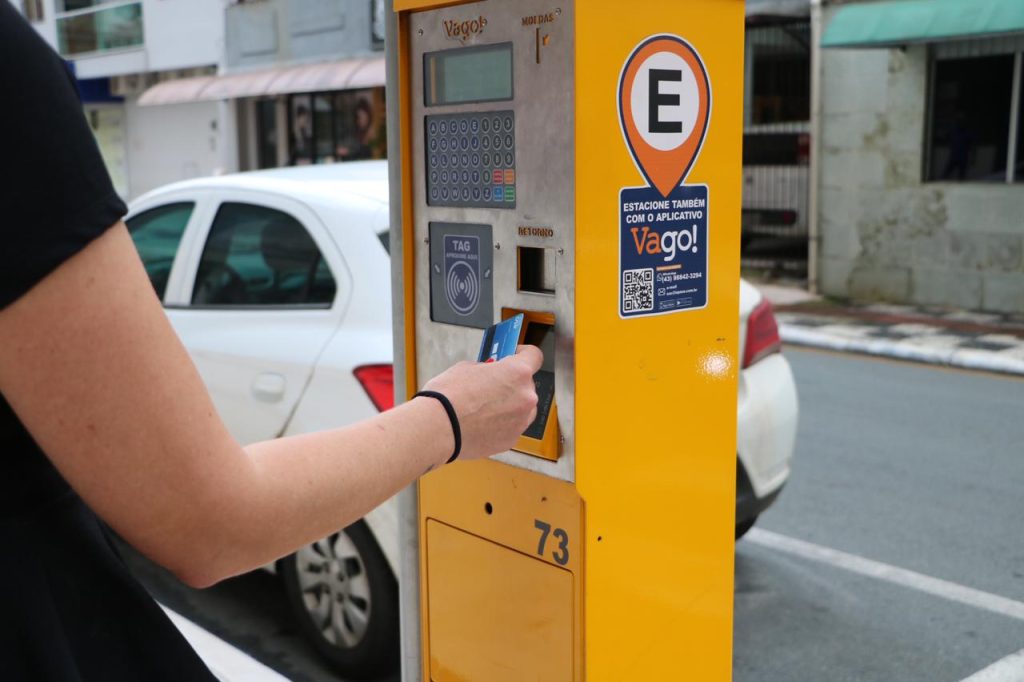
pixel 278 283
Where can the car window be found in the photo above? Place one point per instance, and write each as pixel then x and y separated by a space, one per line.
pixel 385 239
pixel 256 255
pixel 157 233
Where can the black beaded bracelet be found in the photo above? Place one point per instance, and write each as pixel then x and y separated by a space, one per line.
pixel 447 405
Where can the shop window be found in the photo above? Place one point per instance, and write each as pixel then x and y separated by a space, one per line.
pixel 344 125
pixel 970 119
pixel 266 133
pixel 259 256
pixel 157 233
pixel 301 127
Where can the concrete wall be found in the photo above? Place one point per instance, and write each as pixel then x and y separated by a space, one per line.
pixel 171 142
pixel 296 31
pixel 183 33
pixel 885 234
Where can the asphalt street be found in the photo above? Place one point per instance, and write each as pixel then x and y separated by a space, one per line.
pixel 905 502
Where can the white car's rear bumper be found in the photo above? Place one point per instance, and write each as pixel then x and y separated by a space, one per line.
pixel 766 424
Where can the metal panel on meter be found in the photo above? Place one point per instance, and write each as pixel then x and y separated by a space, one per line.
pixel 492 145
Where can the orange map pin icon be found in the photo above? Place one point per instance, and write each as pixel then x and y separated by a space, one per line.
pixel 664 109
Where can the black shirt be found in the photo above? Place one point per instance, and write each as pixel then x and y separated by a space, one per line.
pixel 69 609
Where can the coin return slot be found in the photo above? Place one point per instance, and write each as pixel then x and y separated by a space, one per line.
pixel 536 270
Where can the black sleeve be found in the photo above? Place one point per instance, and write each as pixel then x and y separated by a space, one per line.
pixel 57 195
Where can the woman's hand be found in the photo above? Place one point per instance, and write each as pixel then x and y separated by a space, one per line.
pixel 494 402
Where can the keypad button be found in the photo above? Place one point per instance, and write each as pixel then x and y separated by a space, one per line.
pixel 496 124
pixel 474 142
pixel 476 194
pixel 465 194
pixel 433 127
pixel 474 125
pixel 433 193
pixel 433 177
pixel 464 143
pixel 498 193
pixel 444 160
pixel 444 176
pixel 486 158
pixel 465 159
pixel 508 142
pixel 509 159
pixel 444 144
pixel 496 142
pixel 433 160
pixel 442 127
pixel 476 177
pixel 498 177
pixel 508 124
pixel 475 159
pixel 433 144
pixel 487 176
pixel 465 177
pixel 485 125
pixel 486 142
pixel 510 193
pixel 444 194
pixel 463 126
pixel 510 176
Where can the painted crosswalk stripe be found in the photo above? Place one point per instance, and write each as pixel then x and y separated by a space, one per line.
pixel 1009 669
pixel 945 589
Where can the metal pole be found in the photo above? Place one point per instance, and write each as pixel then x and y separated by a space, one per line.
pixel 814 172
pixel 408 499
pixel 1011 156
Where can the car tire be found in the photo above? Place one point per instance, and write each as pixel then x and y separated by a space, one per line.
pixel 743 526
pixel 345 599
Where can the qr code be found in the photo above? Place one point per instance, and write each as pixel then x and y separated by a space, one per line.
pixel 637 290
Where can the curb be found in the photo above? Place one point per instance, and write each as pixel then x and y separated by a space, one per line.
pixel 962 358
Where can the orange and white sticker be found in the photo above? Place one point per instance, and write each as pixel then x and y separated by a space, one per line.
pixel 664 108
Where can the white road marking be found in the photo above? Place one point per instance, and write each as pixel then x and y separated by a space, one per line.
pixel 1009 669
pixel 225 661
pixel 945 589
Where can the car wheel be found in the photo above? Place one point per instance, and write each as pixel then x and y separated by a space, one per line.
pixel 743 526
pixel 345 598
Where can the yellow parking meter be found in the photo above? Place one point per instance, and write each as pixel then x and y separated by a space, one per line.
pixel 578 162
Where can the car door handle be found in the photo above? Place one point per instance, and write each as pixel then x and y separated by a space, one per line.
pixel 268 387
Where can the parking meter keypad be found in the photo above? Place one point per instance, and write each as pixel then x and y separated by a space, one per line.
pixel 471 159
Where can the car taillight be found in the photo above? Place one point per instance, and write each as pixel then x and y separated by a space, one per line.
pixel 762 334
pixel 378 382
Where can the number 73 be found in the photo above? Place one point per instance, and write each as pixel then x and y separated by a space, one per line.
pixel 561 554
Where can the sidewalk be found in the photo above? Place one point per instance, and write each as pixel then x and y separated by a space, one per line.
pixel 978 341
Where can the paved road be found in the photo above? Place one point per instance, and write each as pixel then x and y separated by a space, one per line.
pixel 913 466
pixel 907 466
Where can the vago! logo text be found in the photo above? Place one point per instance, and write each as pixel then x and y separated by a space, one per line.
pixel 650 240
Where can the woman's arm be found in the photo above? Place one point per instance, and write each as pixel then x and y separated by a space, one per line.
pixel 94 370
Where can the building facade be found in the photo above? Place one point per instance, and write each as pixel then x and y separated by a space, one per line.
pixel 920 163
pixel 117 50
pixel 175 89
pixel 304 80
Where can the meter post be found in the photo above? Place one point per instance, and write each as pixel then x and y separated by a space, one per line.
pixel 579 163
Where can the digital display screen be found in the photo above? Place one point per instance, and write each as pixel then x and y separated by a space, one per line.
pixel 468 74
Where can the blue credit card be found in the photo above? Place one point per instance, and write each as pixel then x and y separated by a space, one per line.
pixel 501 340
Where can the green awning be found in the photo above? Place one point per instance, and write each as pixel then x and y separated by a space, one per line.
pixel 898 22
